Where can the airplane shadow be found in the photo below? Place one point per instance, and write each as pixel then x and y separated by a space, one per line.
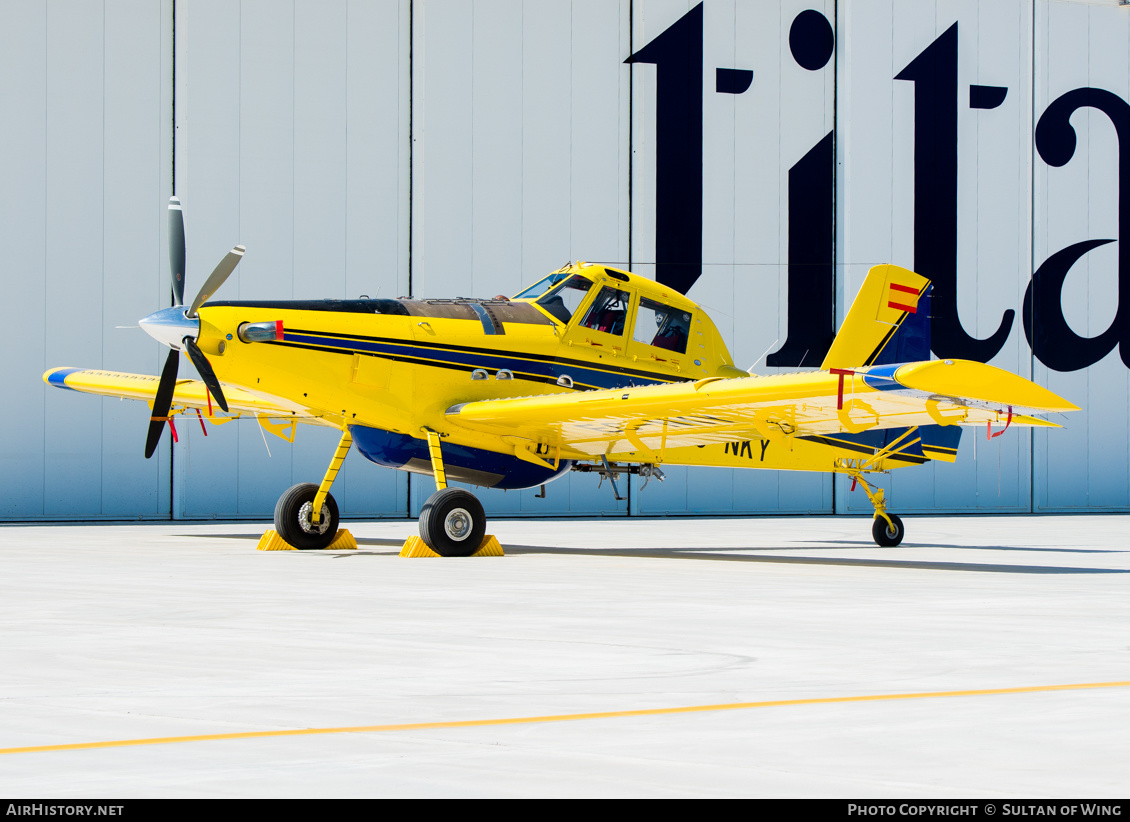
pixel 714 555
pixel 866 543
pixel 255 538
pixel 711 554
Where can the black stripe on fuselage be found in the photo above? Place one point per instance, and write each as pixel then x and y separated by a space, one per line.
pixel 466 368
pixel 419 361
pixel 470 349
pixel 424 346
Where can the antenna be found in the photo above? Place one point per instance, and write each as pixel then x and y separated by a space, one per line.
pixel 763 353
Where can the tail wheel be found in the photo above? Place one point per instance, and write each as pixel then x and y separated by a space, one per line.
pixel 295 524
pixel 452 523
pixel 888 536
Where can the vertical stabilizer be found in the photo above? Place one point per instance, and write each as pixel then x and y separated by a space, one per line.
pixel 888 322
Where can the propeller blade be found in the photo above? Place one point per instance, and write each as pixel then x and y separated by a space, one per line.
pixel 162 402
pixel 216 278
pixel 176 248
pixel 206 372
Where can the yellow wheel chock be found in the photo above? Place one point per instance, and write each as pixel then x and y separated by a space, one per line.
pixel 415 547
pixel 271 541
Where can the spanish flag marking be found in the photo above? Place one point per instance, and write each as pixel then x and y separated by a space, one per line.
pixel 903 306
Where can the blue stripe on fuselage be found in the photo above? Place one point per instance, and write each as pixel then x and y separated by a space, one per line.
pixel 470 360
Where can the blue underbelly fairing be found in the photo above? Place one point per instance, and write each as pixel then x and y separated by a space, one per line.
pixel 477 466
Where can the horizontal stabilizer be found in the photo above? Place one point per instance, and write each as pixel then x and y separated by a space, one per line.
pixel 980 382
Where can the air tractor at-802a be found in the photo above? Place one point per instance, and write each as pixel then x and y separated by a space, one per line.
pixel 590 369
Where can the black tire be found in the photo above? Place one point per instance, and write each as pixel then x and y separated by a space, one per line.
pixel 452 523
pixel 884 535
pixel 292 518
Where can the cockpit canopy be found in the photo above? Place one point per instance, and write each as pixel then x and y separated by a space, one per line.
pixel 658 321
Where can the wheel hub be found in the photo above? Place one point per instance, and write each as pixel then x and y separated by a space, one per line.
pixel 457 524
pixel 304 514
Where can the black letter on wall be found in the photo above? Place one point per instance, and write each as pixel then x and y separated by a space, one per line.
pixel 1052 340
pixel 811 295
pixel 934 74
pixel 812 188
pixel 677 54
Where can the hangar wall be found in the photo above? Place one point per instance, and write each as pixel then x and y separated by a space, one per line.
pixel 85 148
pixel 760 156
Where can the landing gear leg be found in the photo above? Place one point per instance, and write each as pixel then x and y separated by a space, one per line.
pixel 306 515
pixel 452 521
pixel 887 530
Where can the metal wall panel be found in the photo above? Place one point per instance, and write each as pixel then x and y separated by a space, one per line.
pixel 293 140
pixel 377 211
pixel 520 144
pixel 208 124
pixel 75 205
pixel 753 135
pixel 23 230
pixel 137 180
pixel 1080 48
pixel 86 91
pixel 886 170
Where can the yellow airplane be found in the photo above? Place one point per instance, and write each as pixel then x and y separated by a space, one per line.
pixel 590 369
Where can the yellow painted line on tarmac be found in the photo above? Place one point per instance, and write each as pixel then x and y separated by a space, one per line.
pixel 529 720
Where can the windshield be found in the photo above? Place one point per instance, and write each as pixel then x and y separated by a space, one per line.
pixel 566 297
pixel 543 285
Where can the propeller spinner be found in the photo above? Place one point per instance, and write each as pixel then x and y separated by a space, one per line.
pixel 179 329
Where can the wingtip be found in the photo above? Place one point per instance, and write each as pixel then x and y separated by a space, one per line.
pixel 58 376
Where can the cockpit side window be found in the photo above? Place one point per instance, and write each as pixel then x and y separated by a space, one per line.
pixel 565 298
pixel 609 311
pixel 662 326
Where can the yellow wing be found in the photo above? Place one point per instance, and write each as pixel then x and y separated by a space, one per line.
pixel 652 419
pixel 188 393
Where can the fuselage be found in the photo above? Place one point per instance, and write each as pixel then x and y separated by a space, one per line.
pixel 388 369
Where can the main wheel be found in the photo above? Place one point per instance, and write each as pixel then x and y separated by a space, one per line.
pixel 884 534
pixel 452 523
pixel 292 518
